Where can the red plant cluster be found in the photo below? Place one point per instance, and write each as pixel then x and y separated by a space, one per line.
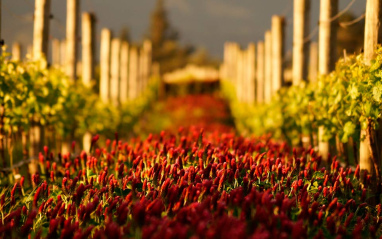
pixel 205 111
pixel 190 185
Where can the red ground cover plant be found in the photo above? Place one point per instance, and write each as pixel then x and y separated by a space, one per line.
pixel 190 185
pixel 204 111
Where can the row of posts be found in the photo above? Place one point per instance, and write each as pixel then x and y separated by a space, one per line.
pixel 125 69
pixel 258 72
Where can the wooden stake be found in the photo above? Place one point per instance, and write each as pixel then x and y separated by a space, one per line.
pixel 79 69
pixel 147 49
pixel 278 38
pixel 313 62
pixel 72 29
pixel 225 66
pixel 372 31
pixel 30 51
pixel 241 78
pixel 327 36
pixel 237 77
pixel 229 61
pixel 63 53
pixel 56 52
pixel 251 74
pixel 141 69
pixel 235 49
pixel 105 64
pixel 260 73
pixel 227 52
pixel 1 11
pixel 16 52
pixel 365 162
pixel 301 21
pixel 115 70
pixel 86 141
pixel 124 87
pixel 88 48
pixel 133 73
pixel 327 56
pixel 223 71
pixel 268 67
pixel 36 135
pixel 41 29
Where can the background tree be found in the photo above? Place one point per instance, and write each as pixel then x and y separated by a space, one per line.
pixel 124 34
pixel 166 49
pixel 201 57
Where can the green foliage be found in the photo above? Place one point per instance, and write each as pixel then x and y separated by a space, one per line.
pixel 32 93
pixel 341 102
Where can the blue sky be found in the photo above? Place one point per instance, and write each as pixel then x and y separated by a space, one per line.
pixel 204 23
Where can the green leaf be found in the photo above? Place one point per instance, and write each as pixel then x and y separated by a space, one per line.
pixel 377 92
pixel 353 92
pixel 349 129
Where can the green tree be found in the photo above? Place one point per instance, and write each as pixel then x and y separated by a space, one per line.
pixel 124 34
pixel 166 49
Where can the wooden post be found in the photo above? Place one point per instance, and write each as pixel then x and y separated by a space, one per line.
pixel 63 53
pixel 141 68
pixel 1 11
pixel 133 73
pixel 231 61
pixel 16 52
pixel 268 67
pixel 235 58
pixel 301 21
pixel 327 36
pixel 225 66
pixel 79 69
pixel 251 74
pixel 124 87
pixel 148 49
pixel 115 70
pixel 227 52
pixel 36 136
pixel 372 31
pixel 41 29
pixel 244 77
pixel 56 52
pixel 88 48
pixel 278 39
pixel 72 29
pixel 105 65
pixel 40 51
pixel 313 62
pixel 238 74
pixel 86 142
pixel 260 73
pixel 223 71
pixel 30 51
pixel 240 77
pixel 327 56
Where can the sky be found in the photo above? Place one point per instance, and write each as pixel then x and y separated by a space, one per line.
pixel 202 23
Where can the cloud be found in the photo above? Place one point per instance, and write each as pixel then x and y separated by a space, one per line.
pixel 218 8
pixel 181 5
